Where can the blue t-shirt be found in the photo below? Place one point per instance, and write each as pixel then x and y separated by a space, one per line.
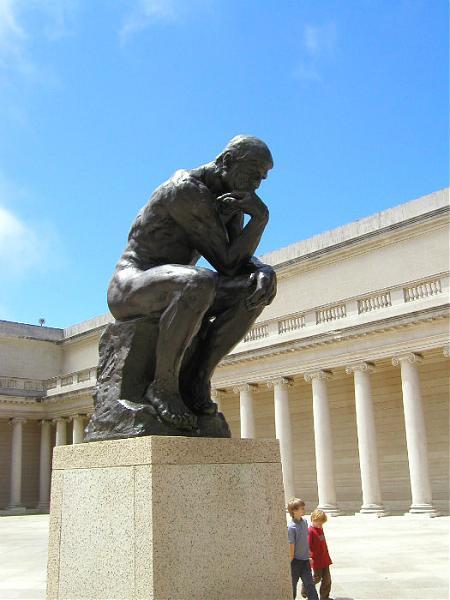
pixel 298 535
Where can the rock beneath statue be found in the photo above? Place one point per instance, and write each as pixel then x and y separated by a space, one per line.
pixel 126 368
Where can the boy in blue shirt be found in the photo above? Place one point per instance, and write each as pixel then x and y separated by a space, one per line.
pixel 299 549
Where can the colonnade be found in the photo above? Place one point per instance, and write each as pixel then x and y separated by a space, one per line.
pixel 372 502
pixel 45 456
pixel 416 438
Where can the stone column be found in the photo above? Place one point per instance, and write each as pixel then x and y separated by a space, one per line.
pixel 44 467
pixel 15 503
pixel 367 440
pixel 283 431
pixel 416 435
pixel 61 432
pixel 323 442
pixel 247 410
pixel 217 396
pixel 77 429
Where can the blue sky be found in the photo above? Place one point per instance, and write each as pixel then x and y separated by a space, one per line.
pixel 101 100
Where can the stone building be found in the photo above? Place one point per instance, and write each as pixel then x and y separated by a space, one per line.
pixel 348 368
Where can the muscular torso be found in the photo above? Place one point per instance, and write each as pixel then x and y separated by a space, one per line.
pixel 156 237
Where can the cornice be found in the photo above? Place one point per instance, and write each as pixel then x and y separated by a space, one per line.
pixel 435 219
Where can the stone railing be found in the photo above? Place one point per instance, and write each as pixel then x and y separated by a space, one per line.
pixel 374 302
pixel 291 323
pixel 331 313
pixel 343 310
pixel 19 383
pixel 84 376
pixel 422 290
pixel 256 333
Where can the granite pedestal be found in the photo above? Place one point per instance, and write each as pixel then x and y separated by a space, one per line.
pixel 168 518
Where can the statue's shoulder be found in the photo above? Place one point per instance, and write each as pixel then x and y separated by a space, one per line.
pixel 187 182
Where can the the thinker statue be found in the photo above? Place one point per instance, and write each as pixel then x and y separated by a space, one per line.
pixel 176 321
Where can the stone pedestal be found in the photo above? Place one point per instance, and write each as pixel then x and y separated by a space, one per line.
pixel 168 518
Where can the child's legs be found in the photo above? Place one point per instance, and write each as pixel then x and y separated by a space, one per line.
pixel 295 574
pixel 307 581
pixel 325 586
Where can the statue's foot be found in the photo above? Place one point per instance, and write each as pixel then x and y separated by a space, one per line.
pixel 198 398
pixel 170 408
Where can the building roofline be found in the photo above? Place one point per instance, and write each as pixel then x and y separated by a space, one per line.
pixel 391 218
pixel 25 330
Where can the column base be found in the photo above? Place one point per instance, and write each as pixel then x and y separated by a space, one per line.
pixel 331 511
pixel 424 510
pixel 372 510
pixel 15 509
pixel 43 507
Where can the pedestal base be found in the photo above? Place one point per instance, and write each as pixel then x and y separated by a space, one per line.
pixel 168 518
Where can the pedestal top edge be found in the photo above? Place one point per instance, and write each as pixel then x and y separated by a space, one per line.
pixel 165 450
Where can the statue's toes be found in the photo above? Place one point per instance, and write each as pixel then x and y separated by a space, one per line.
pixel 183 421
pixel 188 421
pixel 205 408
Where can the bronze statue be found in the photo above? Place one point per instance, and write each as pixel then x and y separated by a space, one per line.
pixel 176 321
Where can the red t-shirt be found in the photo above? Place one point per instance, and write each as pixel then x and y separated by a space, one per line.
pixel 318 548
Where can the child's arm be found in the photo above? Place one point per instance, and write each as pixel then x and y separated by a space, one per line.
pixel 312 542
pixel 291 551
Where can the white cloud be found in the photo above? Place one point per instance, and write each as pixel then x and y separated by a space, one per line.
pixel 26 247
pixel 319 44
pixel 145 13
pixel 21 248
pixel 320 40
pixel 51 19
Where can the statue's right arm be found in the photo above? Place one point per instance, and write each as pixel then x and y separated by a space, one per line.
pixel 195 210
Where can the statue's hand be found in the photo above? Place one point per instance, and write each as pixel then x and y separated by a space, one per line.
pixel 265 289
pixel 246 202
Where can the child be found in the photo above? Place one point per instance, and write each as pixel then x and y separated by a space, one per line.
pixel 299 550
pixel 320 558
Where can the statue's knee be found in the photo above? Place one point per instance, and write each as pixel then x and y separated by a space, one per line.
pixel 201 289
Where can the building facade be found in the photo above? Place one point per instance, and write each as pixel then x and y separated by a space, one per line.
pixel 348 368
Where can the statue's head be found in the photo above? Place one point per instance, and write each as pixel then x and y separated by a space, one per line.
pixel 244 163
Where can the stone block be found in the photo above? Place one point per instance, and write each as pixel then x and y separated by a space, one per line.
pixel 168 518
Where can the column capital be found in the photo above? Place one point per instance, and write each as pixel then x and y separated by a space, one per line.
pixel 245 387
pixel 71 418
pixel 287 381
pixel 15 420
pixel 360 367
pixel 44 421
pixel 218 393
pixel 446 351
pixel 410 357
pixel 60 420
pixel 319 374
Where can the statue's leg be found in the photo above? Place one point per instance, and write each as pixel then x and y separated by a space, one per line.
pixel 180 296
pixel 216 338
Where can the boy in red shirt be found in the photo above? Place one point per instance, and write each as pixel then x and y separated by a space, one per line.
pixel 320 559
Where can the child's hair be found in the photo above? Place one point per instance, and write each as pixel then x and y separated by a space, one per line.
pixel 319 515
pixel 293 504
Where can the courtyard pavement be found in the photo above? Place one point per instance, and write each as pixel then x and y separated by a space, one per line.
pixel 393 558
